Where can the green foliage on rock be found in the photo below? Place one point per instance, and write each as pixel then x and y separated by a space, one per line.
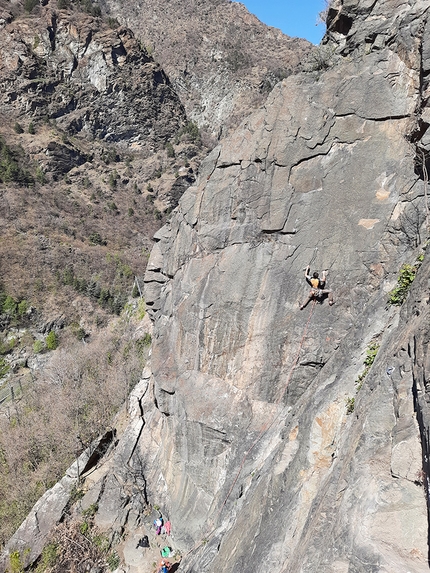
pixel 22 307
pixel 49 557
pixel 4 367
pixel 190 131
pixel 371 352
pixel 113 178
pixel 16 564
pixel 113 560
pixel 113 23
pixel 96 239
pixel 406 277
pixel 350 405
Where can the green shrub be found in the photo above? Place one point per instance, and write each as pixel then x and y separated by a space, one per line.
pixel 4 367
pixel 76 494
pixel 78 331
pixel 102 542
pixel 113 177
pixel 22 307
pixel 84 527
pixel 38 346
pixel 169 149
pixel 16 564
pixel 90 8
pixel 191 130
pixel 406 277
pixel 135 292
pixel 31 129
pixel 91 510
pixel 18 128
pixel 371 353
pixel 30 4
pixel 52 340
pixel 68 276
pixel 96 239
pixel 40 176
pixel 6 346
pixel 10 306
pixel 350 405
pixel 113 560
pixel 49 557
pixel 320 59
pixel 10 169
pixel 147 339
pixel 113 22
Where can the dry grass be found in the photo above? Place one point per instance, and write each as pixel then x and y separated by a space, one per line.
pixel 65 406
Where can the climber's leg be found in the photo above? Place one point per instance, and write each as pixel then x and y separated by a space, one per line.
pixel 308 300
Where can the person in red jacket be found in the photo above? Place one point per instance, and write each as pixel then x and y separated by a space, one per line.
pixel 318 291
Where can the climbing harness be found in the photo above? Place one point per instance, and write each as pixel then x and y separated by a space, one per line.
pixel 264 431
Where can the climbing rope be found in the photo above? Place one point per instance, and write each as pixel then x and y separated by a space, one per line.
pixel 314 256
pixel 264 431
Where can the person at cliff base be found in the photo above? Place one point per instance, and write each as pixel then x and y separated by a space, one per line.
pixel 164 566
pixel 158 524
pixel 318 291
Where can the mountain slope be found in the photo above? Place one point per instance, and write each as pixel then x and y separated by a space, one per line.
pixel 220 58
pixel 88 113
pixel 95 151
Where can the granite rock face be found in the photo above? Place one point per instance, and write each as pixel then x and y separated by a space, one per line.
pixel 327 172
pixel 255 431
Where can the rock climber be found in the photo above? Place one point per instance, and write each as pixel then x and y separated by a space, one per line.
pixel 318 291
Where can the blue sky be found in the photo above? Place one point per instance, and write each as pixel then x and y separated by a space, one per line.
pixel 293 17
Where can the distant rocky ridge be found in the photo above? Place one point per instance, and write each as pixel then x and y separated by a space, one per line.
pixel 221 59
pixel 91 79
